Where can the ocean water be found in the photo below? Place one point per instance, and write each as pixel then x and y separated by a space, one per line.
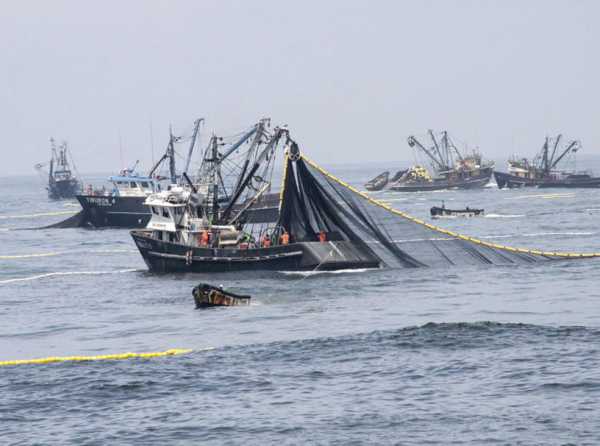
pixel 501 355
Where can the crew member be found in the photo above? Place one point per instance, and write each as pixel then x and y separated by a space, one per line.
pixel 285 238
pixel 322 237
pixel 204 238
pixel 266 241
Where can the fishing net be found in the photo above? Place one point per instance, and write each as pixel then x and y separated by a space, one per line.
pixel 314 200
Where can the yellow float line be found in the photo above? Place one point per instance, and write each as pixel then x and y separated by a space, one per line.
pixel 113 357
pixel 445 231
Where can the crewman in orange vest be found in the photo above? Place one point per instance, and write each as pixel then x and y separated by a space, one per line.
pixel 285 238
pixel 266 241
pixel 322 237
pixel 204 238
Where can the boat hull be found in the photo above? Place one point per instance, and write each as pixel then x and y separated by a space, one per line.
pixel 63 189
pixel 378 183
pixel 131 212
pixel 512 182
pixel 114 211
pixel 579 183
pixel 475 182
pixel 439 212
pixel 169 257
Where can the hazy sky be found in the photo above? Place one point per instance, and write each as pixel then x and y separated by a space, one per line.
pixel 352 79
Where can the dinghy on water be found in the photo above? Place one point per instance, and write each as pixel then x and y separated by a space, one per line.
pixel 444 212
pixel 206 295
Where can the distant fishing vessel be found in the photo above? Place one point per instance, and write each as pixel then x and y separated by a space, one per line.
pixel 451 169
pixel 382 180
pixel 543 170
pixel 61 181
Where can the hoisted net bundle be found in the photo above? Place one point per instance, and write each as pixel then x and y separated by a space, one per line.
pixel 313 200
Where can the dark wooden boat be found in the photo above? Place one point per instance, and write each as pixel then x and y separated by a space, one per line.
pixel 206 295
pixel 443 212
pixel 378 183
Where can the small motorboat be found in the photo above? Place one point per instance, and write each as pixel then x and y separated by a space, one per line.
pixel 378 183
pixel 206 295
pixel 444 212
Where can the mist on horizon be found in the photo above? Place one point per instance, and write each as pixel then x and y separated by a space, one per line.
pixel 351 79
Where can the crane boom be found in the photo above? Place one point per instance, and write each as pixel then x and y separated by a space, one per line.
pixel 567 150
pixel 412 141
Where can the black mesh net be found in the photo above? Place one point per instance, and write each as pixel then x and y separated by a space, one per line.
pixel 315 201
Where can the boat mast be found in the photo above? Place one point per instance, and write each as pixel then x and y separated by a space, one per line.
pixel 437 148
pixel 259 130
pixel 213 197
pixel 52 156
pixel 269 148
pixel 551 161
pixel 171 155
pixel 192 143
pixel 545 165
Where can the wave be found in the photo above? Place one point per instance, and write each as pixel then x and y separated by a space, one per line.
pixel 547 196
pixel 65 273
pixel 317 272
pixel 504 215
pixel 538 234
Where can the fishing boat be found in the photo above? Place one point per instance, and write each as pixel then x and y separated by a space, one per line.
pixel 191 232
pixel 123 206
pixel 451 169
pixel 206 295
pixel 378 183
pixel 544 170
pixel 444 212
pixel 61 181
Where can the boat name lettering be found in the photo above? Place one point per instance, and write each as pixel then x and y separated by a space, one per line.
pixel 100 201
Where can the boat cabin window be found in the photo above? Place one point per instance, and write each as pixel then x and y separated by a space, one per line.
pixel 154 210
pixel 145 184
pixel 165 213
pixel 132 184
